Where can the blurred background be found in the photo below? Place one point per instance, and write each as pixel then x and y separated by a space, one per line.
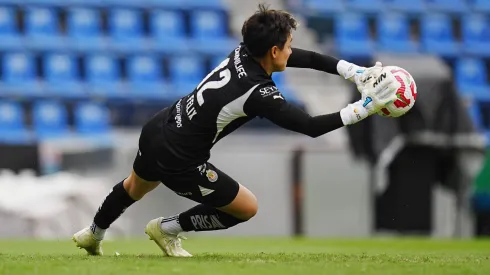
pixel 78 78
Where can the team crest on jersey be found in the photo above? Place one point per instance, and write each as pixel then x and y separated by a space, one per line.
pixel 212 175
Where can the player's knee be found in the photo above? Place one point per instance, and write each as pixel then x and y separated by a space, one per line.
pixel 137 187
pixel 249 209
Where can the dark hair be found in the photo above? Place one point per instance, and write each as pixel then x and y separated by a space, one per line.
pixel 266 29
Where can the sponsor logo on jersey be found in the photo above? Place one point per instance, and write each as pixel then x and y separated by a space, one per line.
pixel 204 222
pixel 178 117
pixel 266 91
pixel 211 175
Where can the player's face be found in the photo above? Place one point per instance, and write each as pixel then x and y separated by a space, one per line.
pixel 281 57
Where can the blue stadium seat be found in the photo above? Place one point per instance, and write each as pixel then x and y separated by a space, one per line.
pixel 41 29
pixel 364 5
pixel 186 72
pixel 352 35
pixel 207 4
pixel 84 28
pixel 437 35
pixel 102 76
pixel 394 34
pixel 9 33
pixel 126 30
pixel 480 5
pixel 210 32
pixel 187 4
pixel 453 6
pixel 324 7
pixel 91 118
pixel 44 2
pixel 19 75
pixel 85 3
pixel 471 78
pixel 127 3
pixel 145 78
pixel 166 4
pixel 412 6
pixel 167 28
pixel 61 76
pixel 49 119
pixel 12 126
pixel 476 34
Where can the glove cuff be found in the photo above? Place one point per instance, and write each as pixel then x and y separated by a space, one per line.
pixel 353 113
pixel 348 70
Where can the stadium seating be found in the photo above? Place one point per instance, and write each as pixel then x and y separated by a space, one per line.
pixel 437 35
pixel 61 76
pixel 411 7
pixel 91 118
pixel 453 6
pixel 364 5
pixel 186 72
pixel 476 34
pixel 126 30
pixel 84 30
pixel 9 33
pixel 42 30
pixel 144 75
pixel 19 75
pixel 352 36
pixel 393 31
pixel 103 77
pixel 50 119
pixel 320 6
pixel 12 123
pixel 480 5
pixel 168 31
pixel 471 78
pixel 210 33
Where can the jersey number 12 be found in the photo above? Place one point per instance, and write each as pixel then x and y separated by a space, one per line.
pixel 225 76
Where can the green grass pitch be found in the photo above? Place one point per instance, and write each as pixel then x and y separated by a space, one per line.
pixel 253 256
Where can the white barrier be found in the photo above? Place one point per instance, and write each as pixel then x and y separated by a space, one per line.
pixel 49 207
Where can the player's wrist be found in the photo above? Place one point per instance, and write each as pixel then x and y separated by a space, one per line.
pixel 349 70
pixel 353 113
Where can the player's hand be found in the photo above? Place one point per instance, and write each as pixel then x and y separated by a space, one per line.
pixel 364 75
pixel 377 93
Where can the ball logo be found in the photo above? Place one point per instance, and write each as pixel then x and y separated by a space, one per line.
pixel 211 175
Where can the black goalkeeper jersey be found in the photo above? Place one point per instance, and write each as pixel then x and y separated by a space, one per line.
pixel 235 92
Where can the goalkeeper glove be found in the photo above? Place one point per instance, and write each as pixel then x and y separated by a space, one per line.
pixel 357 74
pixel 374 98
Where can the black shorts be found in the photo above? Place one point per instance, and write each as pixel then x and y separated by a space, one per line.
pixel 204 183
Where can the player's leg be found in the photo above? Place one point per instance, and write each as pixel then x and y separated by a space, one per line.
pixel 224 204
pixel 122 196
pixel 143 178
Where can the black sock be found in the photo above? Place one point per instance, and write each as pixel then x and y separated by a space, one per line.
pixel 113 206
pixel 206 218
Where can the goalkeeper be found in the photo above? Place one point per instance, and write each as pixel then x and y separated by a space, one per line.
pixel 175 144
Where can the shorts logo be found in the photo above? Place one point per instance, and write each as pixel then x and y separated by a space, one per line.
pixel 212 175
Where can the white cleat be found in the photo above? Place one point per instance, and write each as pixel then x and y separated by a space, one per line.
pixel 85 239
pixel 170 244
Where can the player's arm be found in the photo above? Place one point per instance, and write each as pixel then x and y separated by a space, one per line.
pixel 312 60
pixel 267 102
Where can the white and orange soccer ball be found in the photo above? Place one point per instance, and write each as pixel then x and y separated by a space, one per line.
pixel 406 93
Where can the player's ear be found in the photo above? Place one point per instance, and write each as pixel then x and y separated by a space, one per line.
pixel 274 51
